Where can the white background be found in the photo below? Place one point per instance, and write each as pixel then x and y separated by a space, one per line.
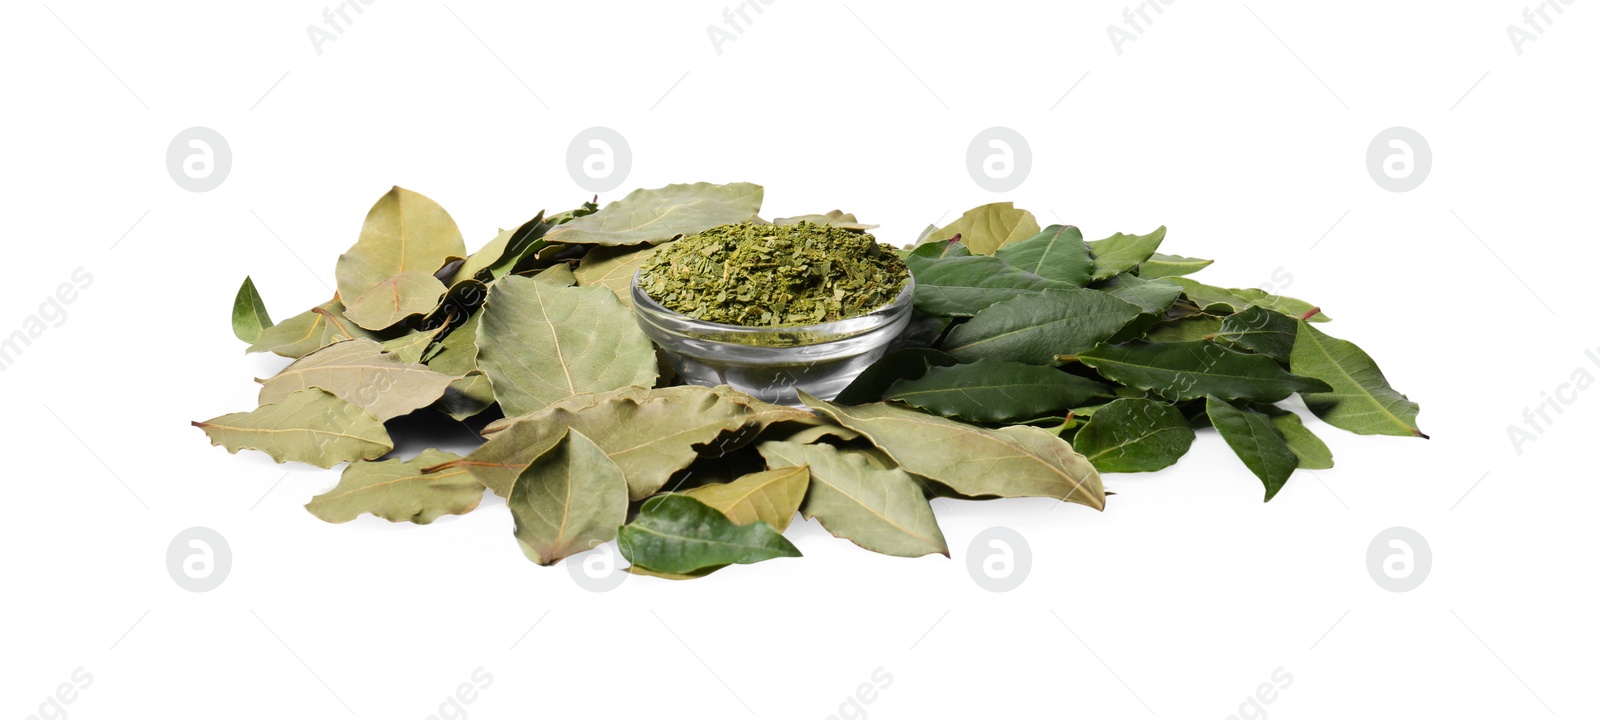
pixel 1177 601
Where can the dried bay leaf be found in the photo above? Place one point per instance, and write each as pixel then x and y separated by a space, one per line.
pixel 1134 435
pixel 992 390
pixel 659 214
pixel 1120 253
pixel 1036 328
pixel 1255 441
pixel 1359 398
pixel 679 535
pixel 614 267
pixel 559 275
pixel 976 462
pixel 540 344
pixel 498 257
pixel 1057 253
pixel 362 374
pixel 771 496
pixel 649 434
pixel 568 500
pixel 405 295
pixel 963 285
pixel 398 491
pixel 836 218
pixel 313 329
pixel 987 228
pixel 881 509
pixel 404 231
pixel 311 426
pixel 249 313
pixel 1191 370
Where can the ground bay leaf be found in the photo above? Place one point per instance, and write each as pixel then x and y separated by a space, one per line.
pixel 973 461
pixel 403 231
pixel 771 496
pixel 1360 399
pixel 653 215
pixel 539 344
pixel 360 373
pixel 398 491
pixel 311 426
pixel 568 500
pixel 1036 328
pixel 680 535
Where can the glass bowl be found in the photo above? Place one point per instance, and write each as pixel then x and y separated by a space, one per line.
pixel 773 363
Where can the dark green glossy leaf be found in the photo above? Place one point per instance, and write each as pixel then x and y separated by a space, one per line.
pixel 1360 399
pixel 1255 441
pixel 1188 370
pixel 1264 331
pixel 1185 329
pixel 961 286
pixel 1160 266
pixel 1121 253
pixel 678 534
pixel 1134 435
pixel 1057 253
pixel 995 391
pixel 1311 451
pixel 906 364
pixel 1036 328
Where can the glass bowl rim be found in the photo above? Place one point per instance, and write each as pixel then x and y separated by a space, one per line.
pixel 829 331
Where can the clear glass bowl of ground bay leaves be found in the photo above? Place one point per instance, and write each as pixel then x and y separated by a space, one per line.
pixel 846 298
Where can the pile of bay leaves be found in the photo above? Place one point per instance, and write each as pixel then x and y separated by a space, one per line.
pixel 1036 362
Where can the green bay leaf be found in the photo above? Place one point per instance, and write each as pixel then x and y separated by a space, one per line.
pixel 659 214
pixel 679 535
pixel 881 509
pixel 249 313
pixel 963 285
pixel 1120 253
pixel 1184 329
pixel 1057 253
pixel 1312 453
pixel 304 333
pixel 1190 370
pixel 1261 330
pixel 1036 328
pixel 991 390
pixel 1359 398
pixel 540 344
pixel 1134 435
pixel 568 500
pixel 902 364
pixel 311 426
pixel 398 491
pixel 1161 265
pixel 1255 441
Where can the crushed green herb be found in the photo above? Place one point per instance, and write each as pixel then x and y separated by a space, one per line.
pixel 760 275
